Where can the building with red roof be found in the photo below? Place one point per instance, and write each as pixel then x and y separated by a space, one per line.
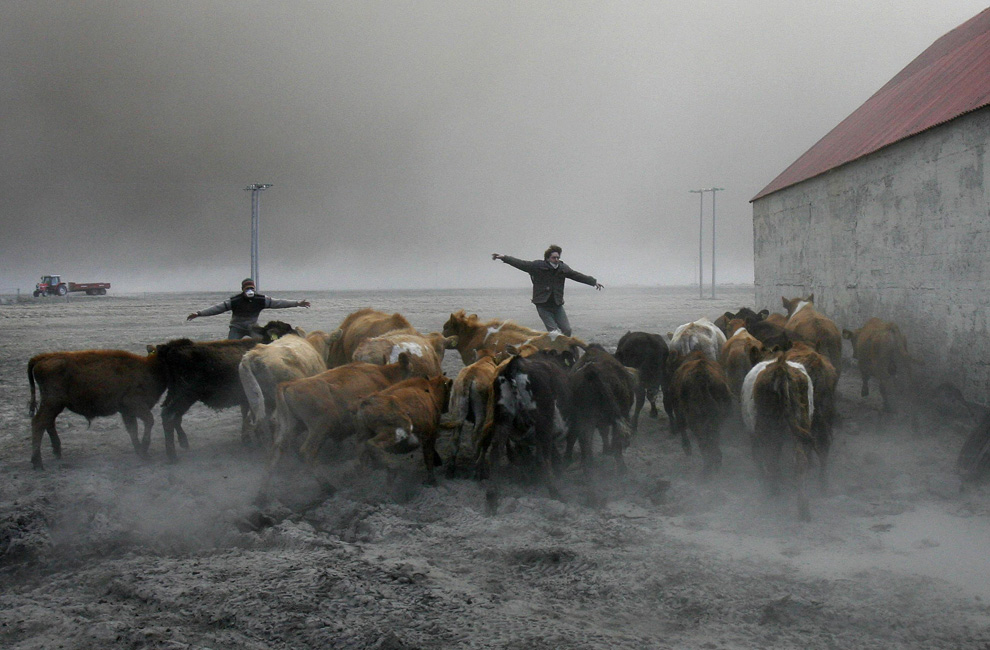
pixel 888 215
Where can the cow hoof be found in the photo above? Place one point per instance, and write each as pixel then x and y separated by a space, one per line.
pixel 37 464
pixel 430 482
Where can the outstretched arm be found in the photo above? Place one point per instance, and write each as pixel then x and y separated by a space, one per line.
pixel 522 265
pixel 272 303
pixel 210 311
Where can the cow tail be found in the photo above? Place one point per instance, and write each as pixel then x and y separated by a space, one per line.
pixel 33 404
pixel 252 389
pixel 455 404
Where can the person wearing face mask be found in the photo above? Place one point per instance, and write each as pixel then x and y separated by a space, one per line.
pixel 245 308
pixel 548 277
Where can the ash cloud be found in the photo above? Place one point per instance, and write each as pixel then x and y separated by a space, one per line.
pixel 406 142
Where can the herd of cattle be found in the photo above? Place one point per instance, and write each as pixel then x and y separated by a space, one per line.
pixel 527 395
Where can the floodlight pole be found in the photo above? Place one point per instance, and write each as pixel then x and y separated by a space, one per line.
pixel 701 213
pixel 256 190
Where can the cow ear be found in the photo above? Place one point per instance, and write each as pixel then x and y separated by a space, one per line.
pixel 846 334
pixel 784 301
pixel 811 297
pixel 404 361
pixel 511 349
pixel 763 313
pixel 150 348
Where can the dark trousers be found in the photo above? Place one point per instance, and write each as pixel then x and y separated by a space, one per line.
pixel 553 317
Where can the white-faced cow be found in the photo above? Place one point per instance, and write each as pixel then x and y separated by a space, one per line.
pixel 532 396
pixel 403 417
pixel 93 383
pixel 262 368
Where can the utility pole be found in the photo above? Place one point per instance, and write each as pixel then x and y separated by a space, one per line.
pixel 256 190
pixel 713 191
pixel 701 211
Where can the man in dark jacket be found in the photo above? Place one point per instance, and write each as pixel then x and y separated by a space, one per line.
pixel 548 277
pixel 244 308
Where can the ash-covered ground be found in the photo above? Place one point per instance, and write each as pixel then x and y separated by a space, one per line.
pixel 103 550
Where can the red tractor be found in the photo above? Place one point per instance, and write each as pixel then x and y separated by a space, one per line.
pixel 52 285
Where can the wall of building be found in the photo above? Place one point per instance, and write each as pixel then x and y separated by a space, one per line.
pixel 903 235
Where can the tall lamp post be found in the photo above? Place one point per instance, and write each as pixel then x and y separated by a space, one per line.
pixel 256 190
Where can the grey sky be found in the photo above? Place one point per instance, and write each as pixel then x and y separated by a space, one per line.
pixel 407 141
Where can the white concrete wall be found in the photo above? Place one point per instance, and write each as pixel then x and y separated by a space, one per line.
pixel 902 234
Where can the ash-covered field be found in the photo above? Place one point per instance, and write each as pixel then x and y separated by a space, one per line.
pixel 104 550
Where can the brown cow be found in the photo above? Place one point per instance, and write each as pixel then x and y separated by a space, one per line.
pixel 359 326
pixel 93 383
pixel 744 314
pixel 474 334
pixel 425 352
pixel 471 401
pixel 323 406
pixel 881 351
pixel 778 403
pixel 701 401
pixel 825 380
pixel 737 354
pixel 404 416
pixel 804 323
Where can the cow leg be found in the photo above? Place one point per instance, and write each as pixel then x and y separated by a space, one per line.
pixel 865 390
pixel 148 420
pixel 801 468
pixel 172 412
pixel 44 420
pixel 651 396
pixel 431 458
pixel 885 395
pixel 668 405
pixel 638 406
pixel 499 439
pixel 130 423
pixel 247 430
pixel 619 439
pixel 711 452
pixel 544 466
pixel 685 440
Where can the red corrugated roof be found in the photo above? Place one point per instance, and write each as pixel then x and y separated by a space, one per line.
pixel 950 78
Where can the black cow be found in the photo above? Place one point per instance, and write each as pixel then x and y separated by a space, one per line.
pixel 207 372
pixel 744 313
pixel 602 392
pixel 531 401
pixel 647 353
